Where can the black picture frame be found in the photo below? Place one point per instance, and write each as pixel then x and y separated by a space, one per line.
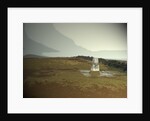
pixel 45 3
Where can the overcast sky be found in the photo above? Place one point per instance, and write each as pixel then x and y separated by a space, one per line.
pixel 96 36
pixel 72 39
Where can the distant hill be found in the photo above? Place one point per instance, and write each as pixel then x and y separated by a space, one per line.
pixel 46 35
pixel 33 47
pixel 44 39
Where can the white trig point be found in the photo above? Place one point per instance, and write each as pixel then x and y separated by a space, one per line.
pixel 95 65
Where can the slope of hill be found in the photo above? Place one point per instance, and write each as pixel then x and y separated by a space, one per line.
pixel 47 35
pixel 32 47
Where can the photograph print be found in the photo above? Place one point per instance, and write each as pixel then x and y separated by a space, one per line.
pixel 74 60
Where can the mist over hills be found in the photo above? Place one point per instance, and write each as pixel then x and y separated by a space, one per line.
pixel 44 40
pixel 32 47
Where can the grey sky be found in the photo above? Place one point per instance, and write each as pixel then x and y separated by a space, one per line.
pixel 96 36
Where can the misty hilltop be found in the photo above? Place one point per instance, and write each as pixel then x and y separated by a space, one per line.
pixel 44 40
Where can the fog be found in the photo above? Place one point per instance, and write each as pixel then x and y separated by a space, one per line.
pixel 103 40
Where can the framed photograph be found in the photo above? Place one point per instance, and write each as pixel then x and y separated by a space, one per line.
pixel 75 60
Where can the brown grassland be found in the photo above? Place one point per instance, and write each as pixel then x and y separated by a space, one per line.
pixel 61 78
